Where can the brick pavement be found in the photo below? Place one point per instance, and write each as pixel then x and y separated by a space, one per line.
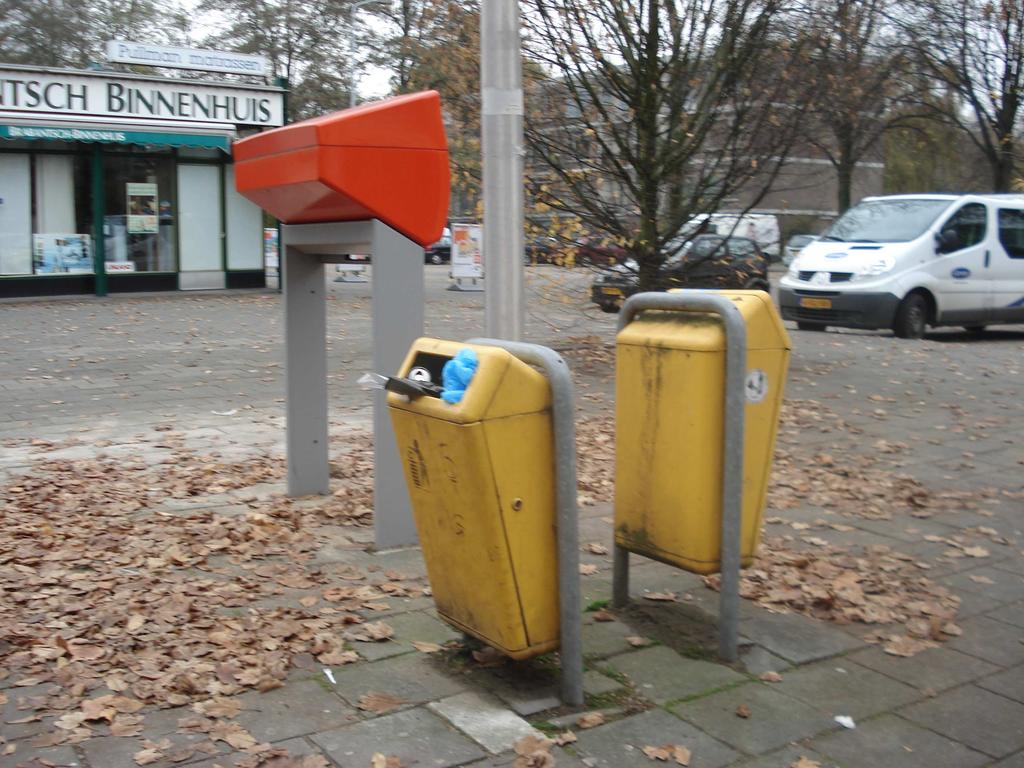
pixel 106 372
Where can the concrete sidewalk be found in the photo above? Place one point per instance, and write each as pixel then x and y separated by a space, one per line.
pixel 948 412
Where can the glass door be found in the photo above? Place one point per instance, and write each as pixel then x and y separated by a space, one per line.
pixel 201 227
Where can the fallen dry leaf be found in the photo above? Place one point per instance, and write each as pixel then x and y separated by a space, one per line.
pixel 565 738
pixel 660 596
pixel 597 549
pixel 590 720
pixel 587 569
pixel 903 645
pixel 371 632
pixel 533 752
pixel 379 760
pixel 380 703
pixel 424 647
pixel 770 677
pixel 638 642
pixel 805 762
pixel 743 711
pixel 603 615
pixel 489 657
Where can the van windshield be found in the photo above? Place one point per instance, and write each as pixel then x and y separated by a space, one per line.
pixel 886 221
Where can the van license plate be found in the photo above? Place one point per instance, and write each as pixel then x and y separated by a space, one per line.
pixel 612 292
pixel 815 303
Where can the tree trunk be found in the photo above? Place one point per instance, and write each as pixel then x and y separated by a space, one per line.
pixel 1002 167
pixel 845 163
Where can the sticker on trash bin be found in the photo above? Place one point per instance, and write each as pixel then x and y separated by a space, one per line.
pixel 757 385
pixel 419 373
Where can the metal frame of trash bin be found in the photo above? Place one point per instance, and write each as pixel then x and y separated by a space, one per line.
pixel 397 301
pixel 563 418
pixel 733 419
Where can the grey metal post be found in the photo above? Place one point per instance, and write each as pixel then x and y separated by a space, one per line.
pixel 732 452
pixel 305 354
pixel 397 321
pixel 501 86
pixel 563 416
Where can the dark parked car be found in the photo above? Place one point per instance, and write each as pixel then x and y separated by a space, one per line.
pixel 707 261
pixel 439 252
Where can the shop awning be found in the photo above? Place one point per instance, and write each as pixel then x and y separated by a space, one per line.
pixel 209 136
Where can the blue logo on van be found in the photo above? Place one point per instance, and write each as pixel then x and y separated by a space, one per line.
pixel 961 272
pixel 835 256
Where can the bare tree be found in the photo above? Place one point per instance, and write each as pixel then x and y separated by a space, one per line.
pixel 975 49
pixel 857 61
pixel 643 115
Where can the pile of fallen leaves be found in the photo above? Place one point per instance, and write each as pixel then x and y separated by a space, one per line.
pixel 806 573
pixel 123 597
pixel 877 586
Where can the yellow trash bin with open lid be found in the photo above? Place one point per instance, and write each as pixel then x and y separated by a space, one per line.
pixel 480 474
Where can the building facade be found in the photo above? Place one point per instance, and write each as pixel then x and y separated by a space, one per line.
pixel 116 182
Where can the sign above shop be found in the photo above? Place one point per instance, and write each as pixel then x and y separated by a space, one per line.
pixel 147 54
pixel 54 92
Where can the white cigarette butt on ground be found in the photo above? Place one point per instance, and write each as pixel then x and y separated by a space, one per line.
pixel 330 676
pixel 846 721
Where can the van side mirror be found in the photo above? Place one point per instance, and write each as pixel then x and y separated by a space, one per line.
pixel 947 241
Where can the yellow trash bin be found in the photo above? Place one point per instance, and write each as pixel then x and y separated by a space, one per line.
pixel 669 430
pixel 481 479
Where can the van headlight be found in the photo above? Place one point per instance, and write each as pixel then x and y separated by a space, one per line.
pixel 875 268
pixel 793 273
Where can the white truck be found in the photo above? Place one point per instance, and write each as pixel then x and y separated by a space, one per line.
pixel 907 262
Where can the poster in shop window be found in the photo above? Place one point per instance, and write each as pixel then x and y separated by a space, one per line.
pixel 142 209
pixel 55 254
pixel 467 251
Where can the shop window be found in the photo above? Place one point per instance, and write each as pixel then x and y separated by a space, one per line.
pixel 139 227
pixel 45 218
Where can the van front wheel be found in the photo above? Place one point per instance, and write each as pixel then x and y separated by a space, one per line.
pixel 911 317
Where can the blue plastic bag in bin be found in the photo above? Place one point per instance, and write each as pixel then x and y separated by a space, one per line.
pixel 456 375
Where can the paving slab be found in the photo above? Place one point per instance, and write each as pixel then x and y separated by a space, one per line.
pixel 596 684
pixel 991 640
pixel 984 721
pixel 119 751
pixel 757 660
pixel 785 758
pixel 415 625
pixel 1009 614
pixel 415 736
pixel 413 678
pixel 299 708
pixel 797 639
pixel 1013 761
pixel 775 719
pixel 485 720
pixel 892 741
pixel 662 675
pixel 17 707
pixel 55 756
pixel 620 744
pixel 295 747
pixel 605 638
pixel 1005 586
pixel 840 687
pixel 1009 683
pixel 934 669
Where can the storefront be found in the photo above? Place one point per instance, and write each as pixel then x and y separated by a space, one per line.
pixel 113 182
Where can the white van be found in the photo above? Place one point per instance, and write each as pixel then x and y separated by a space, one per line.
pixel 909 261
